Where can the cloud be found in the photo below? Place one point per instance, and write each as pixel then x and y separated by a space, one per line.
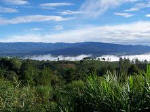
pixel 36 29
pixel 54 5
pixel 7 10
pixel 141 57
pixel 32 18
pixel 55 58
pixel 133 33
pixel 126 15
pixel 94 8
pixel 148 15
pixel 69 12
pixel 138 7
pixel 16 2
pixel 110 58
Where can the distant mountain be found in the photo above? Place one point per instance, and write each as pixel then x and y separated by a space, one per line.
pixel 70 49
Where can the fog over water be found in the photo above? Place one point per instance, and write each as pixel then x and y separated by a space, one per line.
pixel 56 58
pixel 141 57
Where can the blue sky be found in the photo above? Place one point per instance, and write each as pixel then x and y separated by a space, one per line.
pixel 111 21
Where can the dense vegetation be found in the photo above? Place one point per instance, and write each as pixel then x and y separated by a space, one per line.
pixel 84 86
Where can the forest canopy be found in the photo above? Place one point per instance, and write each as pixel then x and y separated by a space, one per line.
pixel 74 86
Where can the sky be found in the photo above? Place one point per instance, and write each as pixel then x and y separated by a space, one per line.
pixel 70 21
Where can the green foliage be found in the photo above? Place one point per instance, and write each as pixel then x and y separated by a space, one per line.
pixel 28 72
pixel 44 77
pixel 133 69
pixel 69 74
pixel 10 64
pixel 107 94
pixel 148 69
pixel 14 99
pixel 44 93
pixel 85 86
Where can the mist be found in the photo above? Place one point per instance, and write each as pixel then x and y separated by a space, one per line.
pixel 49 57
pixel 141 57
pixel 56 58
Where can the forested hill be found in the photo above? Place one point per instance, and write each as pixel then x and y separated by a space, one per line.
pixel 69 49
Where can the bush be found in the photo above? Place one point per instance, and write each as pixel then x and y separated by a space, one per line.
pixel 44 93
pixel 107 94
pixel 14 99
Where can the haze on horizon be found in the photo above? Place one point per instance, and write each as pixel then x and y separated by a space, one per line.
pixel 109 58
pixel 70 21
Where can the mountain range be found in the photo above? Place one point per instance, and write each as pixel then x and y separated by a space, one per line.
pixel 70 49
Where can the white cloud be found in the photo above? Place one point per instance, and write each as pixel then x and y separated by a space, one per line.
pixel 31 18
pixel 94 8
pixel 7 10
pixel 148 15
pixel 36 29
pixel 132 9
pixel 110 58
pixel 126 15
pixel 69 12
pixel 138 7
pixel 55 58
pixel 16 2
pixel 54 5
pixel 133 33
pixel 141 57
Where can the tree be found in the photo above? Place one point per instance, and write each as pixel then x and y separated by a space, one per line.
pixel 28 72
pixel 69 74
pixel 44 77
pixel 10 64
pixel 133 69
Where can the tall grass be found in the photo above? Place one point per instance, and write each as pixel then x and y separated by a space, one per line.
pixel 108 94
pixel 14 98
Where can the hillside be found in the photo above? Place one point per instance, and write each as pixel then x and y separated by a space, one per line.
pixel 70 49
